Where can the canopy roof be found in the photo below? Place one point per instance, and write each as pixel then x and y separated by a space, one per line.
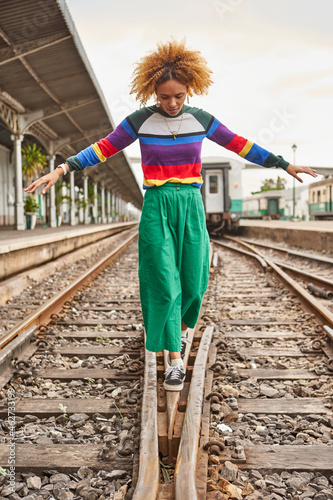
pixel 48 89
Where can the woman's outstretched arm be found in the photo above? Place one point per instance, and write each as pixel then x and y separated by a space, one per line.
pixel 293 170
pixel 116 141
pixel 48 179
pixel 251 151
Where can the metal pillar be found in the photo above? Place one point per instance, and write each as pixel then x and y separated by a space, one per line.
pixel 108 206
pixel 19 212
pixel 53 215
pixel 103 204
pixel 95 203
pixel 72 206
pixel 85 195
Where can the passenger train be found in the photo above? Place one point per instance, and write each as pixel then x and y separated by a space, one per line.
pixel 320 199
pixel 223 212
pixel 265 205
pixel 216 198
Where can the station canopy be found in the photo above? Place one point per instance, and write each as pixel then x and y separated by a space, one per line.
pixel 48 90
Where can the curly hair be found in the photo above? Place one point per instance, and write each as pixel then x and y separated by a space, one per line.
pixel 171 61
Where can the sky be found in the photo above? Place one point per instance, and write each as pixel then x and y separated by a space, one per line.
pixel 272 64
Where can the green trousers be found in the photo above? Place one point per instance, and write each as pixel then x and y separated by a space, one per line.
pixel 173 262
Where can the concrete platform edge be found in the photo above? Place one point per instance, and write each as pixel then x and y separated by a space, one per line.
pixel 51 248
pixel 307 239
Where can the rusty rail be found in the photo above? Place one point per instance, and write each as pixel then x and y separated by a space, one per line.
pixel 185 470
pixel 149 470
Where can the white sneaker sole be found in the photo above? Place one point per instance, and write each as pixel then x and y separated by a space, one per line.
pixel 174 388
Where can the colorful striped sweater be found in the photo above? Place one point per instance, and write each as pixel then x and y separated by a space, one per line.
pixel 169 159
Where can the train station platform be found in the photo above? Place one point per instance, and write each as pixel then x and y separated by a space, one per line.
pixel 311 235
pixel 21 250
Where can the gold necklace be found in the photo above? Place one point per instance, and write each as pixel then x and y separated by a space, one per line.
pixel 173 132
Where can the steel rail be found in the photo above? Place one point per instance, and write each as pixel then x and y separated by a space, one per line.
pixel 185 470
pixel 261 261
pixel 307 297
pixel 149 467
pixel 55 304
pixel 317 258
pixel 148 484
pixel 315 277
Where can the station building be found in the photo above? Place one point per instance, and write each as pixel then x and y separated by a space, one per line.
pixel 49 96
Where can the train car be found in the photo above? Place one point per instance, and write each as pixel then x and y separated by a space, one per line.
pixel 320 199
pixel 265 205
pixel 216 199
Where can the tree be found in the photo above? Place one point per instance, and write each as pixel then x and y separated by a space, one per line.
pixel 59 197
pixel 280 183
pixel 34 162
pixel 271 185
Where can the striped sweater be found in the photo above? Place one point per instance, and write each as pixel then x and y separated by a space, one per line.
pixel 166 158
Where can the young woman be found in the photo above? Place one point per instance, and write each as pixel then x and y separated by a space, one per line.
pixel 173 240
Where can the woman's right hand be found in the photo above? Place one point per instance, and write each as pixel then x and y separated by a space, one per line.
pixel 48 179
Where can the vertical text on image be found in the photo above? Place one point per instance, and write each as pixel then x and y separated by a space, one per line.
pixel 10 473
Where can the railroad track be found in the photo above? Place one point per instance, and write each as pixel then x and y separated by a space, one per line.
pixel 302 266
pixel 244 351
pixel 319 286
pixel 71 378
pixel 274 363
pixel 36 284
pixel 174 463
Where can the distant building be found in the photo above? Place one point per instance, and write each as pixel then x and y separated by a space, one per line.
pixel 301 202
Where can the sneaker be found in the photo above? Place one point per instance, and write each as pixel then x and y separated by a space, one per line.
pixel 184 341
pixel 174 380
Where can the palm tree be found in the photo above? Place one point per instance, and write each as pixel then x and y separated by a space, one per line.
pixel 34 162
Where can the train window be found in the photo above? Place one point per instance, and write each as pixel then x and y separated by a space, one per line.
pixel 313 197
pixel 213 184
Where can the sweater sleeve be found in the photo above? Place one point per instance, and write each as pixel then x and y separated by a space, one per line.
pixel 119 139
pixel 248 150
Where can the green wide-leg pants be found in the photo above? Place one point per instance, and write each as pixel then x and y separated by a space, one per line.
pixel 173 262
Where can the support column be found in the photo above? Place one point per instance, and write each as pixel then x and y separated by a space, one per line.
pixel 113 206
pixel 53 215
pixel 103 204
pixel 72 195
pixel 108 206
pixel 19 211
pixel 95 203
pixel 85 195
pixel 117 208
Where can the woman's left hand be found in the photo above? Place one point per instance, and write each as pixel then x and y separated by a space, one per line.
pixel 293 171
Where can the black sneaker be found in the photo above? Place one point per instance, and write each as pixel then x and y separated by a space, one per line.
pixel 174 380
pixel 184 341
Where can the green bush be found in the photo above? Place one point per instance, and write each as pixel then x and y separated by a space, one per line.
pixel 31 204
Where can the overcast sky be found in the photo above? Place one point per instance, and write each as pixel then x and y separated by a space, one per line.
pixel 272 63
